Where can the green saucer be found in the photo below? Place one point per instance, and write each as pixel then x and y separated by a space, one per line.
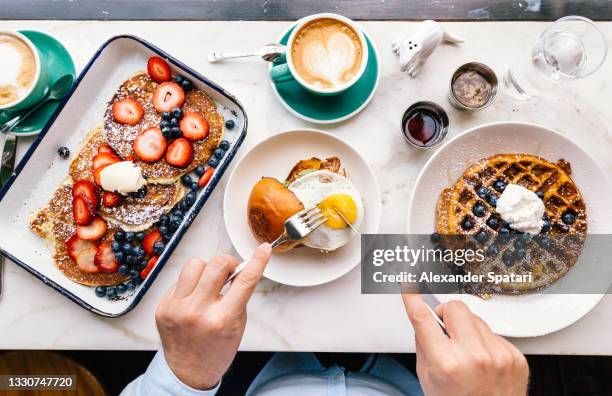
pixel 59 63
pixel 330 109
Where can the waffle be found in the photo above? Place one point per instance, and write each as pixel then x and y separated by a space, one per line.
pixel 121 137
pixel 546 261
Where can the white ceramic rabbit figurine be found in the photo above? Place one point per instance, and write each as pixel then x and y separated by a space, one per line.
pixel 414 49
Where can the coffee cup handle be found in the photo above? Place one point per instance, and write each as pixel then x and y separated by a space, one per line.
pixel 281 73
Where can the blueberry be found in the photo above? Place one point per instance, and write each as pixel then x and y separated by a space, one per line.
pixel 194 186
pixel 138 252
pixel 508 258
pixel 225 145
pixel 492 250
pixel 163 220
pixel 126 249
pixel 119 236
pixel 101 291
pixel 213 162
pixel 540 194
pixel 129 236
pixel 435 237
pixel 123 269
pixel 493 222
pixel 167 132
pixel 130 285
pixel 139 236
pixel 467 224
pixel 199 170
pixel 63 152
pixel 166 116
pixel 177 113
pixel 174 221
pixel 158 248
pixel 479 210
pixel 131 259
pixel 139 266
pixel 115 246
pixel 119 256
pixel 544 241
pixel 190 199
pixel 219 153
pixel 568 217
pixel 134 273
pixel 187 180
pixel 520 243
pixel 482 236
pixel 175 132
pixel 483 192
pixel 163 229
pixel 504 231
pixel 499 185
pixel 111 292
pixel 164 124
pixel 520 253
pixel 229 124
pixel 492 200
pixel 179 79
pixel 121 288
pixel 187 85
pixel 142 192
pixel 174 122
pixel 546 226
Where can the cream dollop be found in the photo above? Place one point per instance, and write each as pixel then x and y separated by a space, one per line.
pixel 123 177
pixel 521 208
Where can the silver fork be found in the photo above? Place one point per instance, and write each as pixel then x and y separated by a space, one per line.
pixel 296 227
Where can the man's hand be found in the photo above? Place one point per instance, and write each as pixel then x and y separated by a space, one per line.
pixel 200 328
pixel 470 360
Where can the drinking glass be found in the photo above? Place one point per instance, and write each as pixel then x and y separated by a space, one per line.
pixel 573 47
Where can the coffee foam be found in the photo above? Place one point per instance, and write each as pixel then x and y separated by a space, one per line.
pixel 327 53
pixel 17 68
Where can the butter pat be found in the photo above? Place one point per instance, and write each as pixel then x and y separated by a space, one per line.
pixel 123 177
pixel 521 208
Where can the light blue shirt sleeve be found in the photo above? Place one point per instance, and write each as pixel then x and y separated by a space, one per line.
pixel 159 380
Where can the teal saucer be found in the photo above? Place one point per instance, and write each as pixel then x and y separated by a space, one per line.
pixel 330 109
pixel 59 62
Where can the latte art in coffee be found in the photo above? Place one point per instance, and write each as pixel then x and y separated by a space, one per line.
pixel 17 68
pixel 327 53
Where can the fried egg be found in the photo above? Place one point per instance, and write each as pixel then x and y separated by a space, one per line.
pixel 331 192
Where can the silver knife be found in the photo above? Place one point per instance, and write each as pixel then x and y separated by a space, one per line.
pixel 347 222
pixel 7 164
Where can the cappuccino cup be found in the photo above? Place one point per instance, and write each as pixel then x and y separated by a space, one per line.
pixel 23 77
pixel 326 54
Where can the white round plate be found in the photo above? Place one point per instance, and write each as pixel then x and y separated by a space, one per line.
pixel 533 314
pixel 275 157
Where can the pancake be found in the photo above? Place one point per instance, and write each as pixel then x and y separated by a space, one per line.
pixel 121 137
pixel 55 224
pixel 546 262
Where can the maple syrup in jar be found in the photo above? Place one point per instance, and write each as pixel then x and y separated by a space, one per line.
pixel 425 124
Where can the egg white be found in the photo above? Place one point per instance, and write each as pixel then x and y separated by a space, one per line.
pixel 313 188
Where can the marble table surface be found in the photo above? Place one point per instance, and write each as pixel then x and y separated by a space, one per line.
pixel 335 316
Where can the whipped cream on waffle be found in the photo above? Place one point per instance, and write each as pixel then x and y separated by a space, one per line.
pixel 521 208
pixel 123 177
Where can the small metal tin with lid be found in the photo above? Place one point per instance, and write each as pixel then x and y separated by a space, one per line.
pixel 425 124
pixel 473 86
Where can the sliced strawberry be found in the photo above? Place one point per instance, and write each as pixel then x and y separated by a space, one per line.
pixel 76 246
pixel 86 189
pixel 94 231
pixel 86 260
pixel 105 148
pixel 180 153
pixel 206 177
pixel 105 259
pixel 168 96
pixel 158 69
pixel 194 126
pixel 97 173
pixel 127 111
pixel 82 211
pixel 104 159
pixel 129 158
pixel 146 270
pixel 150 145
pixel 149 241
pixel 111 199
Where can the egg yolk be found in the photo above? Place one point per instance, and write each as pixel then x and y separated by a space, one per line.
pixel 344 204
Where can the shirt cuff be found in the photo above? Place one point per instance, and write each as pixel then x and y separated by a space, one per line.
pixel 160 376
